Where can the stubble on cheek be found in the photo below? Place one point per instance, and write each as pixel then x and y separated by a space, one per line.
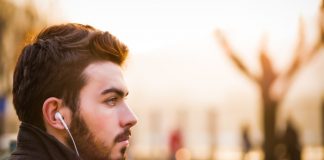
pixel 89 147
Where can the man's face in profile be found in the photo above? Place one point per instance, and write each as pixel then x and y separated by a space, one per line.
pixel 101 127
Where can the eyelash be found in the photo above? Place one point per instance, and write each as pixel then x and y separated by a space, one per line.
pixel 113 100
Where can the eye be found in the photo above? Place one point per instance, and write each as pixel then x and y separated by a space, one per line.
pixel 112 101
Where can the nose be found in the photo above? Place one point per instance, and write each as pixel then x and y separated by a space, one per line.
pixel 128 118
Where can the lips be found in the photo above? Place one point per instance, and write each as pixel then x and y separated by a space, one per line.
pixel 123 136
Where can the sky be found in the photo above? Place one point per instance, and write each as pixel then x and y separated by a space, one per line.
pixel 147 25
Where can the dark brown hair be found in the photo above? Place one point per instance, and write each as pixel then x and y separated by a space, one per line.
pixel 52 66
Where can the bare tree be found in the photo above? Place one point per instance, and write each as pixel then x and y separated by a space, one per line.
pixel 267 80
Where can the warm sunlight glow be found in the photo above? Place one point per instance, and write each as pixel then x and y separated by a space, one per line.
pixel 148 25
pixel 178 64
pixel 208 79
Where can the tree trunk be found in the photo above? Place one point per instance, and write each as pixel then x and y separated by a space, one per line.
pixel 269 121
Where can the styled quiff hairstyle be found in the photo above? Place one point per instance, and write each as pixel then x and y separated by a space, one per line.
pixel 52 66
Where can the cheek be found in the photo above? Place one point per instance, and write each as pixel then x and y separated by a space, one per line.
pixel 101 121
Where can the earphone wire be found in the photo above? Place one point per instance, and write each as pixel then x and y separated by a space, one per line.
pixel 60 118
pixel 75 147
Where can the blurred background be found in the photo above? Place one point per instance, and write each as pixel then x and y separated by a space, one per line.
pixel 208 80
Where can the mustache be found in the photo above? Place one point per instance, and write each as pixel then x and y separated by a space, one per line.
pixel 125 135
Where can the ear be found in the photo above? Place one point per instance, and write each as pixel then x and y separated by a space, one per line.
pixel 50 107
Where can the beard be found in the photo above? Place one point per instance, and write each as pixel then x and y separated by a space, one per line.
pixel 88 146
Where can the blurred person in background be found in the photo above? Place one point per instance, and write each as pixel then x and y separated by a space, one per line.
pixel 291 141
pixel 246 142
pixel 69 94
pixel 2 113
pixel 175 143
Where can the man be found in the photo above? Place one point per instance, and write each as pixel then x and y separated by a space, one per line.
pixel 71 74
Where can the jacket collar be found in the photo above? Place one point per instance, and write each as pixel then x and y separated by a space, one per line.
pixel 34 143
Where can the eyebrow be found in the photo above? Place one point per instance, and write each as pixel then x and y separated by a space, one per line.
pixel 115 90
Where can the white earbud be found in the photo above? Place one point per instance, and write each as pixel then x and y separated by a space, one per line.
pixel 58 116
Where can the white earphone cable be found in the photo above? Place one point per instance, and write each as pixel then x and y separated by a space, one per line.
pixel 76 150
pixel 60 117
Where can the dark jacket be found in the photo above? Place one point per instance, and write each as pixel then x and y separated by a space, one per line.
pixel 35 144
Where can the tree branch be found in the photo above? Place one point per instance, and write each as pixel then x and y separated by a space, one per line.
pixel 233 56
pixel 301 56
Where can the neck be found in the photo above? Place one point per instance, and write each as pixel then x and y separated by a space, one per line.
pixel 60 135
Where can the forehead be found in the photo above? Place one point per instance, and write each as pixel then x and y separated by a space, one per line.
pixel 100 68
pixel 103 75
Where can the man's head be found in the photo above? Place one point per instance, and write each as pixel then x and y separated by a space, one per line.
pixel 76 70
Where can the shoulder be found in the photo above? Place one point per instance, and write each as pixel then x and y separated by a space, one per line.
pixel 17 156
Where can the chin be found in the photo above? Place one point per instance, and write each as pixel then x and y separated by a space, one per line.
pixel 119 154
pixel 120 157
